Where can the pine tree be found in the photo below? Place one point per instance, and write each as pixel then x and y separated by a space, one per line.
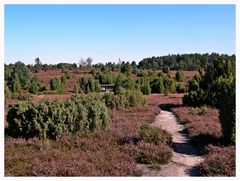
pixel 179 76
pixel 16 88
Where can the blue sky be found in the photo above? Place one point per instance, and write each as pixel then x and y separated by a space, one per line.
pixel 65 33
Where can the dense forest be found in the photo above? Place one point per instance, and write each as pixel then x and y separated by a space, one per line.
pixel 183 62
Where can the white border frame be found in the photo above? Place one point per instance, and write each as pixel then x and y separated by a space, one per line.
pixel 5 2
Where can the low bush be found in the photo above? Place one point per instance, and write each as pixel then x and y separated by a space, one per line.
pixel 154 135
pixel 220 161
pixel 202 124
pixel 145 88
pixel 149 153
pixel 89 84
pixel 36 85
pixel 105 77
pixel 179 76
pixel 180 88
pixel 50 119
pixel 57 84
pixel 124 99
pixel 199 110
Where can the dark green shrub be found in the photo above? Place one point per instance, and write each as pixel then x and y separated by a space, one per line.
pixel 179 76
pixel 225 93
pixel 166 69
pixel 216 87
pixel 105 77
pixel 135 97
pixel 140 73
pixel 157 85
pixel 23 73
pixel 36 85
pixel 195 98
pixel 169 85
pixel 88 84
pixel 124 99
pixel 16 86
pixel 180 88
pixel 154 135
pixel 145 88
pixel 109 100
pixel 50 119
pixel 126 68
pixel 7 92
pixel 193 85
pixel 125 82
pixel 56 84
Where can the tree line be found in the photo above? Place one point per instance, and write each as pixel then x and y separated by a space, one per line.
pixel 183 62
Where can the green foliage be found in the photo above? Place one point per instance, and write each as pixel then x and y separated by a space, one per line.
pixel 145 88
pixel 56 84
pixel 23 73
pixel 110 100
pixel 124 99
pixel 195 98
pixel 193 85
pixel 179 76
pixel 157 85
pixel 88 84
pixel 36 85
pixel 166 69
pixel 180 88
pixel 185 61
pixel 105 77
pixel 7 92
pixel 140 73
pixel 17 77
pixel 50 119
pixel 126 68
pixel 135 97
pixel 16 87
pixel 169 85
pixel 225 93
pixel 154 135
pixel 149 153
pixel 66 74
pixel 76 88
pixel 124 82
pixel 217 88
pixel 64 79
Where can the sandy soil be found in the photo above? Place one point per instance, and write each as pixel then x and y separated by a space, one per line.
pixel 185 158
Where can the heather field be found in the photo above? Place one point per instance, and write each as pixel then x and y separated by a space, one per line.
pixel 118 149
pixel 119 90
pixel 119 120
pixel 204 129
pixel 102 153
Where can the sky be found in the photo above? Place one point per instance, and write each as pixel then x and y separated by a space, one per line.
pixel 67 33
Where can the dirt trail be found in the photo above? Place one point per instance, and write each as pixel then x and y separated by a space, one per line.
pixel 185 157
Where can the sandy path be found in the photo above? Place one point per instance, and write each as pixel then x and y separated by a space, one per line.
pixel 185 157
